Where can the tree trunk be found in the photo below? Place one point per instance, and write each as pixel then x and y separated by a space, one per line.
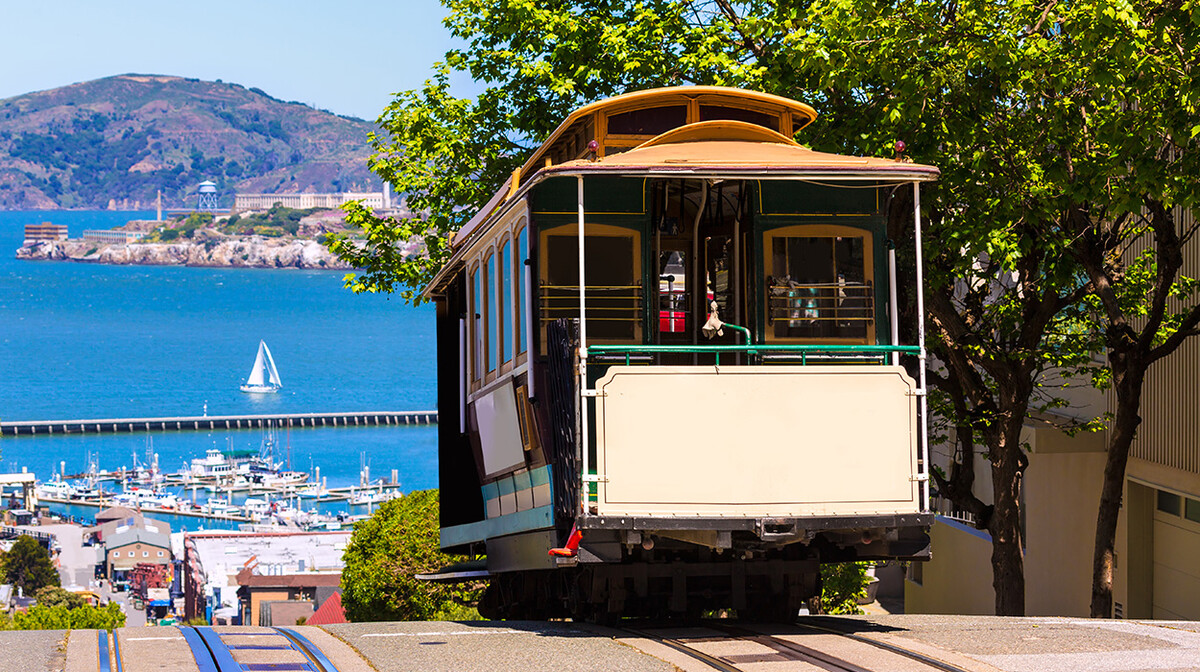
pixel 1008 563
pixel 1128 375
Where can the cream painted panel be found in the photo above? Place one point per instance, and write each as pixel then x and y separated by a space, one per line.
pixel 1176 568
pixel 499 435
pixel 749 440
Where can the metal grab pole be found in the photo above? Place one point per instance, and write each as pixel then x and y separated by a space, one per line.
pixel 895 304
pixel 582 280
pixel 921 357
pixel 584 447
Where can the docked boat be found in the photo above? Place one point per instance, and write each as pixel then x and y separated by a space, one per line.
pixel 220 506
pixel 57 489
pixel 214 463
pixel 264 378
pixel 256 509
pixel 364 497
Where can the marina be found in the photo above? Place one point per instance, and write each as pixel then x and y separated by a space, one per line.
pixel 210 422
pixel 233 485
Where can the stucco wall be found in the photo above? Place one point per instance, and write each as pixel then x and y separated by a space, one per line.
pixel 958 580
pixel 1062 493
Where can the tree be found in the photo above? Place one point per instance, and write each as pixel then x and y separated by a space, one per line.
pixel 996 94
pixel 53 596
pixel 1134 163
pixel 28 565
pixel 385 554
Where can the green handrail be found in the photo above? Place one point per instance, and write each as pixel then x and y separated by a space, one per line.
pixel 745 331
pixel 802 350
pixel 783 347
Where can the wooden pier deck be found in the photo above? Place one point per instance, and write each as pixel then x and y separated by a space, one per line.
pixel 209 422
pixel 105 502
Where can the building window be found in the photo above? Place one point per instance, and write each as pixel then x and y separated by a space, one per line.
pixel 116 554
pixel 1169 502
pixel 916 573
pixel 504 315
pixel 160 554
pixel 145 554
pixel 1191 510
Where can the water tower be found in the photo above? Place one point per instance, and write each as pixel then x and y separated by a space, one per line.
pixel 208 196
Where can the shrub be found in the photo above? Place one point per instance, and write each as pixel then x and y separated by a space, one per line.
pixel 61 617
pixel 385 553
pixel 53 596
pixel 842 583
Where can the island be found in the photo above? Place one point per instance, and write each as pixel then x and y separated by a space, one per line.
pixel 280 237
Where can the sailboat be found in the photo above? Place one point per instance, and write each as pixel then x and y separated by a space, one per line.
pixel 263 377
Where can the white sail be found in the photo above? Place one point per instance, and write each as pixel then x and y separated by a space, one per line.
pixel 256 373
pixel 273 374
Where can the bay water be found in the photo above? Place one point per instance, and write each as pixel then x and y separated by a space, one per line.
pixel 81 340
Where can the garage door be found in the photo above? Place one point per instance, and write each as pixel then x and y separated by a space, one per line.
pixel 1176 557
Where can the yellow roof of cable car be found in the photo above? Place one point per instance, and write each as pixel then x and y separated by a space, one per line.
pixel 738 147
pixel 717 148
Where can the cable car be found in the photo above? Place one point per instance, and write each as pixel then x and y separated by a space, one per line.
pixel 670 374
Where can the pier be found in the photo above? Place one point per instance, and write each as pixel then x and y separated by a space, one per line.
pixel 209 422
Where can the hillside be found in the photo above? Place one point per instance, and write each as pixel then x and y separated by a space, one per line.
pixel 113 142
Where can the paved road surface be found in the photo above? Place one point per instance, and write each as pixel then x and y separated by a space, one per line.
pixel 973 643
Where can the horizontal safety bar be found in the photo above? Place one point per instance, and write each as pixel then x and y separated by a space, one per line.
pixel 755 349
pixel 797 351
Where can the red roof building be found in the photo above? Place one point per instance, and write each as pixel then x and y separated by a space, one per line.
pixel 329 612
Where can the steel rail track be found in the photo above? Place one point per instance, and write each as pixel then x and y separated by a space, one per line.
pixel 214 654
pixel 782 650
pixel 104 657
pixel 887 646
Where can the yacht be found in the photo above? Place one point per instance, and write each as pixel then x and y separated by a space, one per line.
pixel 264 378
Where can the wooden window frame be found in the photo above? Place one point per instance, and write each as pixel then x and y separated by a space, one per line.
pixel 817 231
pixel 489 373
pixel 504 298
pixel 523 313
pixel 475 326
pixel 592 229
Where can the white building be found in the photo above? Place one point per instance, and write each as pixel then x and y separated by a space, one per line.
pixel 371 199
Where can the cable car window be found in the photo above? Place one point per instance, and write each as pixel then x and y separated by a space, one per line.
pixel 614 293
pixel 674 302
pixel 818 288
pixel 476 325
pixel 522 255
pixel 491 317
pixel 648 121
pixel 711 112
pixel 505 313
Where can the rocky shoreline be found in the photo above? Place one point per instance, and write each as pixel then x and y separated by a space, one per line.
pixel 248 252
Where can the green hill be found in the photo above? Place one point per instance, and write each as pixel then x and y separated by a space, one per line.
pixel 116 141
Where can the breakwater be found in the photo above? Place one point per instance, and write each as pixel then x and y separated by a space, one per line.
pixel 209 422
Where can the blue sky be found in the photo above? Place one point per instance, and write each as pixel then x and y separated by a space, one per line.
pixel 347 57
